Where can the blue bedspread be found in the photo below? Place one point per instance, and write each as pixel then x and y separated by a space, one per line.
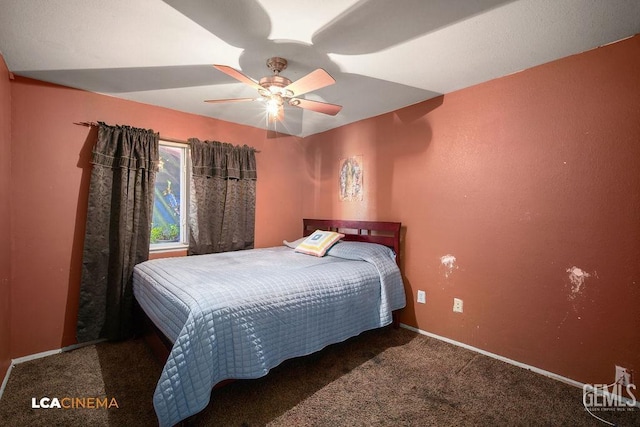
pixel 239 314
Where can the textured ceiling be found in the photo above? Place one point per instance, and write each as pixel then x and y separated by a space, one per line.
pixel 383 54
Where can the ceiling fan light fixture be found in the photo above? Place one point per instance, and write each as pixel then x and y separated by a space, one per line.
pixel 275 111
pixel 275 117
pixel 274 105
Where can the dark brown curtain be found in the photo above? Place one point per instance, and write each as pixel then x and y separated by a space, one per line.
pixel 223 197
pixel 118 229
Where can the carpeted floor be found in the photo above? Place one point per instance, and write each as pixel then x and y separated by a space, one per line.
pixel 388 377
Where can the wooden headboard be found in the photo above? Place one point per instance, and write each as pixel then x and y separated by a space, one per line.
pixel 381 232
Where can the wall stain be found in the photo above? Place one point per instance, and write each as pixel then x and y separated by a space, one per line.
pixel 448 264
pixel 577 277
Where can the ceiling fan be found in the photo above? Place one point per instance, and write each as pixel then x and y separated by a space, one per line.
pixel 277 90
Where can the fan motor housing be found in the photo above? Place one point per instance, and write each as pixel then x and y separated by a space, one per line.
pixel 274 82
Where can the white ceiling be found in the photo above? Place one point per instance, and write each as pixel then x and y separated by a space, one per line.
pixel 384 54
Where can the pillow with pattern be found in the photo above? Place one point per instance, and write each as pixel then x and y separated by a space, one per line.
pixel 319 242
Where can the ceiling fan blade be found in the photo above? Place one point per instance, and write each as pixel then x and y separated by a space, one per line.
pixel 320 107
pixel 314 80
pixel 238 76
pixel 216 101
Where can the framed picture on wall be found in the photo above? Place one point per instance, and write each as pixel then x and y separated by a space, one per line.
pixel 350 179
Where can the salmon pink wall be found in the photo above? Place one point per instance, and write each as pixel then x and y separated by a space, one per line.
pixel 5 219
pixel 50 179
pixel 531 183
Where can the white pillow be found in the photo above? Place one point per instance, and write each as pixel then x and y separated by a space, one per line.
pixel 319 242
pixel 293 244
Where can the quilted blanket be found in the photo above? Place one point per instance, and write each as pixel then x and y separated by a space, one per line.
pixel 239 314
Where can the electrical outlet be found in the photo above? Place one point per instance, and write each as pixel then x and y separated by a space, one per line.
pixel 623 376
pixel 422 297
pixel 457 305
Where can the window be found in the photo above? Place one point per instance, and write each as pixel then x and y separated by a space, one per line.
pixel 168 225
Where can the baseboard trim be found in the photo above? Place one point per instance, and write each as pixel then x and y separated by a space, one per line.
pixel 36 356
pixel 5 380
pixel 547 374
pixel 30 357
pixel 497 356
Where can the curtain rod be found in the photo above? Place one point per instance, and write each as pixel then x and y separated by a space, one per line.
pixel 164 138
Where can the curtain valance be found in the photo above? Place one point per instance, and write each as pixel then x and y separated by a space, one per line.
pixel 135 148
pixel 222 160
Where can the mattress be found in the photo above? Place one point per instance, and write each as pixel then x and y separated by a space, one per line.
pixel 239 314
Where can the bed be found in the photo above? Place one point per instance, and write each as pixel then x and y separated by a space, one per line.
pixel 236 315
